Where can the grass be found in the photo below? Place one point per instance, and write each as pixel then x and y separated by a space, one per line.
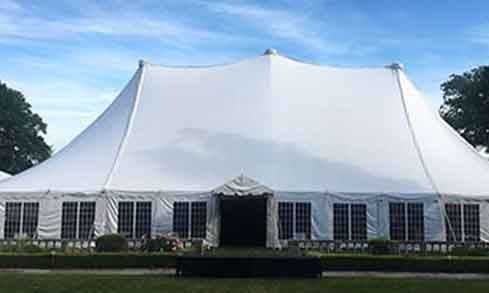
pixel 73 283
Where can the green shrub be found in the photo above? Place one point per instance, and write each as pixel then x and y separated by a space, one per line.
pixel 154 245
pixel 15 261
pixel 397 263
pixel 21 248
pixel 94 261
pixel 384 263
pixel 31 248
pixel 470 251
pixel 114 261
pixel 111 243
pixel 381 246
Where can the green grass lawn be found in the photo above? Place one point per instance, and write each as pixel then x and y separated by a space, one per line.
pixel 72 283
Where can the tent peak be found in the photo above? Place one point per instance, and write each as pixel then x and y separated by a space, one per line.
pixel 243 185
pixel 142 63
pixel 396 66
pixel 270 51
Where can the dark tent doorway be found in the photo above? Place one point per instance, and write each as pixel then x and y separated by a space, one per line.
pixel 243 221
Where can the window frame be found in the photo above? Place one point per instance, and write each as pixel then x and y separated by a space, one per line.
pixel 354 219
pixel 22 219
pixel 187 222
pixel 467 226
pixel 415 221
pixel 286 220
pixel 198 219
pixel 345 217
pixel 131 223
pixel 341 220
pixel 85 212
pixel 408 221
pixel 453 222
pixel 28 217
pixel 79 224
pixel 299 215
pixel 460 225
pixel 12 217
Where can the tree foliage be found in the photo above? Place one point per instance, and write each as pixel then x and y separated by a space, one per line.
pixel 22 143
pixel 466 105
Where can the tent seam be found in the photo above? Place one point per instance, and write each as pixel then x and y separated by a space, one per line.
pixel 413 134
pixel 420 155
pixel 128 128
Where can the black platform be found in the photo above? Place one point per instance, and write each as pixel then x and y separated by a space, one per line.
pixel 248 267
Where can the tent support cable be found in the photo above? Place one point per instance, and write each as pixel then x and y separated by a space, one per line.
pixel 128 128
pixel 420 154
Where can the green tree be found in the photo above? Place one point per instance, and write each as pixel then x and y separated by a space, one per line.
pixel 466 105
pixel 22 143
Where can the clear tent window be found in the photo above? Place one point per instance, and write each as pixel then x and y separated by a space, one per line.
pixel 294 220
pixel 134 219
pixel 349 221
pixel 21 219
pixel 77 220
pixel 406 221
pixel 190 219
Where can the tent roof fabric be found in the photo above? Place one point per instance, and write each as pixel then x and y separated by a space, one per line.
pixel 242 186
pixel 296 126
pixel 4 175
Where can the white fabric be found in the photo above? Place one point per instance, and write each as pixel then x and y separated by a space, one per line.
pixel 311 133
pixel 85 164
pixel 4 175
pixel 295 126
pixel 455 166
pixel 242 185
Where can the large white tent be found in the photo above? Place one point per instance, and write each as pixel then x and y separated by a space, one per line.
pixel 3 175
pixel 312 134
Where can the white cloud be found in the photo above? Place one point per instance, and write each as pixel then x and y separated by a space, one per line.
pixel 20 25
pixel 283 24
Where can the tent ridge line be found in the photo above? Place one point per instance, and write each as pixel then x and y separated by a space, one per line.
pixel 413 134
pixel 127 130
pixel 420 155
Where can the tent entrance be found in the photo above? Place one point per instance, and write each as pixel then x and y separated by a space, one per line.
pixel 243 221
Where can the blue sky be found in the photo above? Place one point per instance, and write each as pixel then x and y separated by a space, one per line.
pixel 70 59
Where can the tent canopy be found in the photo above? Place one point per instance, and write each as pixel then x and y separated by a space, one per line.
pixel 4 175
pixel 242 186
pixel 296 126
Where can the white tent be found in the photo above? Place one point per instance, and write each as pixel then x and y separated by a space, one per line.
pixel 3 175
pixel 315 134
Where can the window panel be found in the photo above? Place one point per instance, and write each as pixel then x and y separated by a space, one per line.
pixel 303 218
pixel 181 219
pixel 86 220
pixel 453 224
pixel 471 222
pixel 126 219
pixel 12 219
pixel 340 221
pixel 143 219
pixel 286 220
pixel 358 222
pixel 415 213
pixel 69 215
pixel 198 219
pixel 30 218
pixel 397 220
